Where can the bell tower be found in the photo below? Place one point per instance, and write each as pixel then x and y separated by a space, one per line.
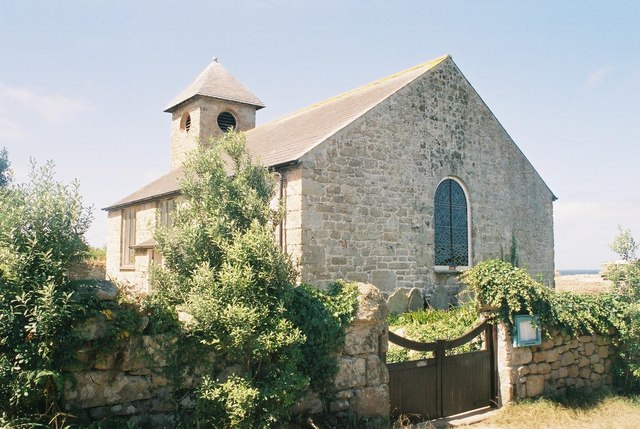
pixel 212 104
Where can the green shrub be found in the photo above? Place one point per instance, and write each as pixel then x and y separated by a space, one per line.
pixel 322 317
pixel 511 291
pixel 41 233
pixel 224 268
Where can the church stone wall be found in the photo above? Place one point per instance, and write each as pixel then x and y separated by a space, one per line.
pixel 367 192
pixel 137 279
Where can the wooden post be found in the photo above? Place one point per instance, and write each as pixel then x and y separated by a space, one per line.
pixel 440 353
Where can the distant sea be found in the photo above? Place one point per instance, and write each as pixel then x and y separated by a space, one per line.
pixel 575 272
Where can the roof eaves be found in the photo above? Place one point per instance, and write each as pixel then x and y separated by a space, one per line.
pixel 173 106
pixel 141 200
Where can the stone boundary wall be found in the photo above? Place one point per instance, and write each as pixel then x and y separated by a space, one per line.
pixel 560 362
pixel 132 383
pixel 88 270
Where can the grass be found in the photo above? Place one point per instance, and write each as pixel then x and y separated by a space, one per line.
pixel 430 325
pixel 576 410
pixel 583 283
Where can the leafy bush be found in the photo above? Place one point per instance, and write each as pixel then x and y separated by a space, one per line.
pixel 624 245
pixel 509 291
pixel 431 324
pixel 4 168
pixel 41 233
pixel 224 268
pixel 625 276
pixel 322 317
pixel 626 285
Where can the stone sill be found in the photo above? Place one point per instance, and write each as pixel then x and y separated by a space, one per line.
pixel 446 269
pixel 127 268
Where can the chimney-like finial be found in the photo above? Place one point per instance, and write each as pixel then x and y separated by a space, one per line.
pixel 215 59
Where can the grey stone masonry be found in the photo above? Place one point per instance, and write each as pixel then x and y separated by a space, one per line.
pixel 560 362
pixel 367 210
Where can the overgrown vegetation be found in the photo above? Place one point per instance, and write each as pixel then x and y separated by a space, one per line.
pixel 224 270
pixel 510 291
pixel 430 325
pixel 41 233
pixel 626 283
pixel 5 177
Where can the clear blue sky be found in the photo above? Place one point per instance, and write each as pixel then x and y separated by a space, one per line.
pixel 84 83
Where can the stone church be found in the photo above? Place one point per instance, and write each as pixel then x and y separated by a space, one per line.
pixel 403 182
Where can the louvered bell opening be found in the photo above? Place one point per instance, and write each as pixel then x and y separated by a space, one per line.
pixel 226 121
pixel 187 124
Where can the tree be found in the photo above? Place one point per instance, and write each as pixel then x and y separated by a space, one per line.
pixel 42 226
pixel 624 245
pixel 223 267
pixel 4 168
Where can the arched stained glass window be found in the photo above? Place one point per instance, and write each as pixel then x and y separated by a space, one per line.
pixel 451 225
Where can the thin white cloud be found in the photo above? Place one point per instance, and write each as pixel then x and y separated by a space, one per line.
pixel 598 75
pixel 51 107
pixel 10 130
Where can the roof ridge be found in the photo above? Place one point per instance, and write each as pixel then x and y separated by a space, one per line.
pixel 431 63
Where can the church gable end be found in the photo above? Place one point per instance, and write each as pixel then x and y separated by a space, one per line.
pixel 369 190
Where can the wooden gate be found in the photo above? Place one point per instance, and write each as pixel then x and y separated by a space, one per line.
pixel 444 385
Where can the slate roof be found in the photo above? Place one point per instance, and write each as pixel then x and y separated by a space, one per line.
pixel 216 82
pixel 287 139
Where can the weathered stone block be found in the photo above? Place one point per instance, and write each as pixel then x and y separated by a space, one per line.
pixel 372 308
pixel 361 339
pixel 416 301
pixel 535 385
pixel 585 372
pixel 547 344
pixel 352 372
pixel 573 371
pixel 583 361
pixel 544 368
pixel 371 401
pixel 567 358
pixel 92 329
pixel 377 372
pixel 589 349
pixel 338 405
pixel 100 388
pixel 398 302
pixel 551 355
pixel 603 351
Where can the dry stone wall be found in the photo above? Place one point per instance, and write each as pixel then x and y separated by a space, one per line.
pixel 560 362
pixel 139 378
pixel 361 384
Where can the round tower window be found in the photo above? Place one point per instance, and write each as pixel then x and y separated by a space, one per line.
pixel 226 121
